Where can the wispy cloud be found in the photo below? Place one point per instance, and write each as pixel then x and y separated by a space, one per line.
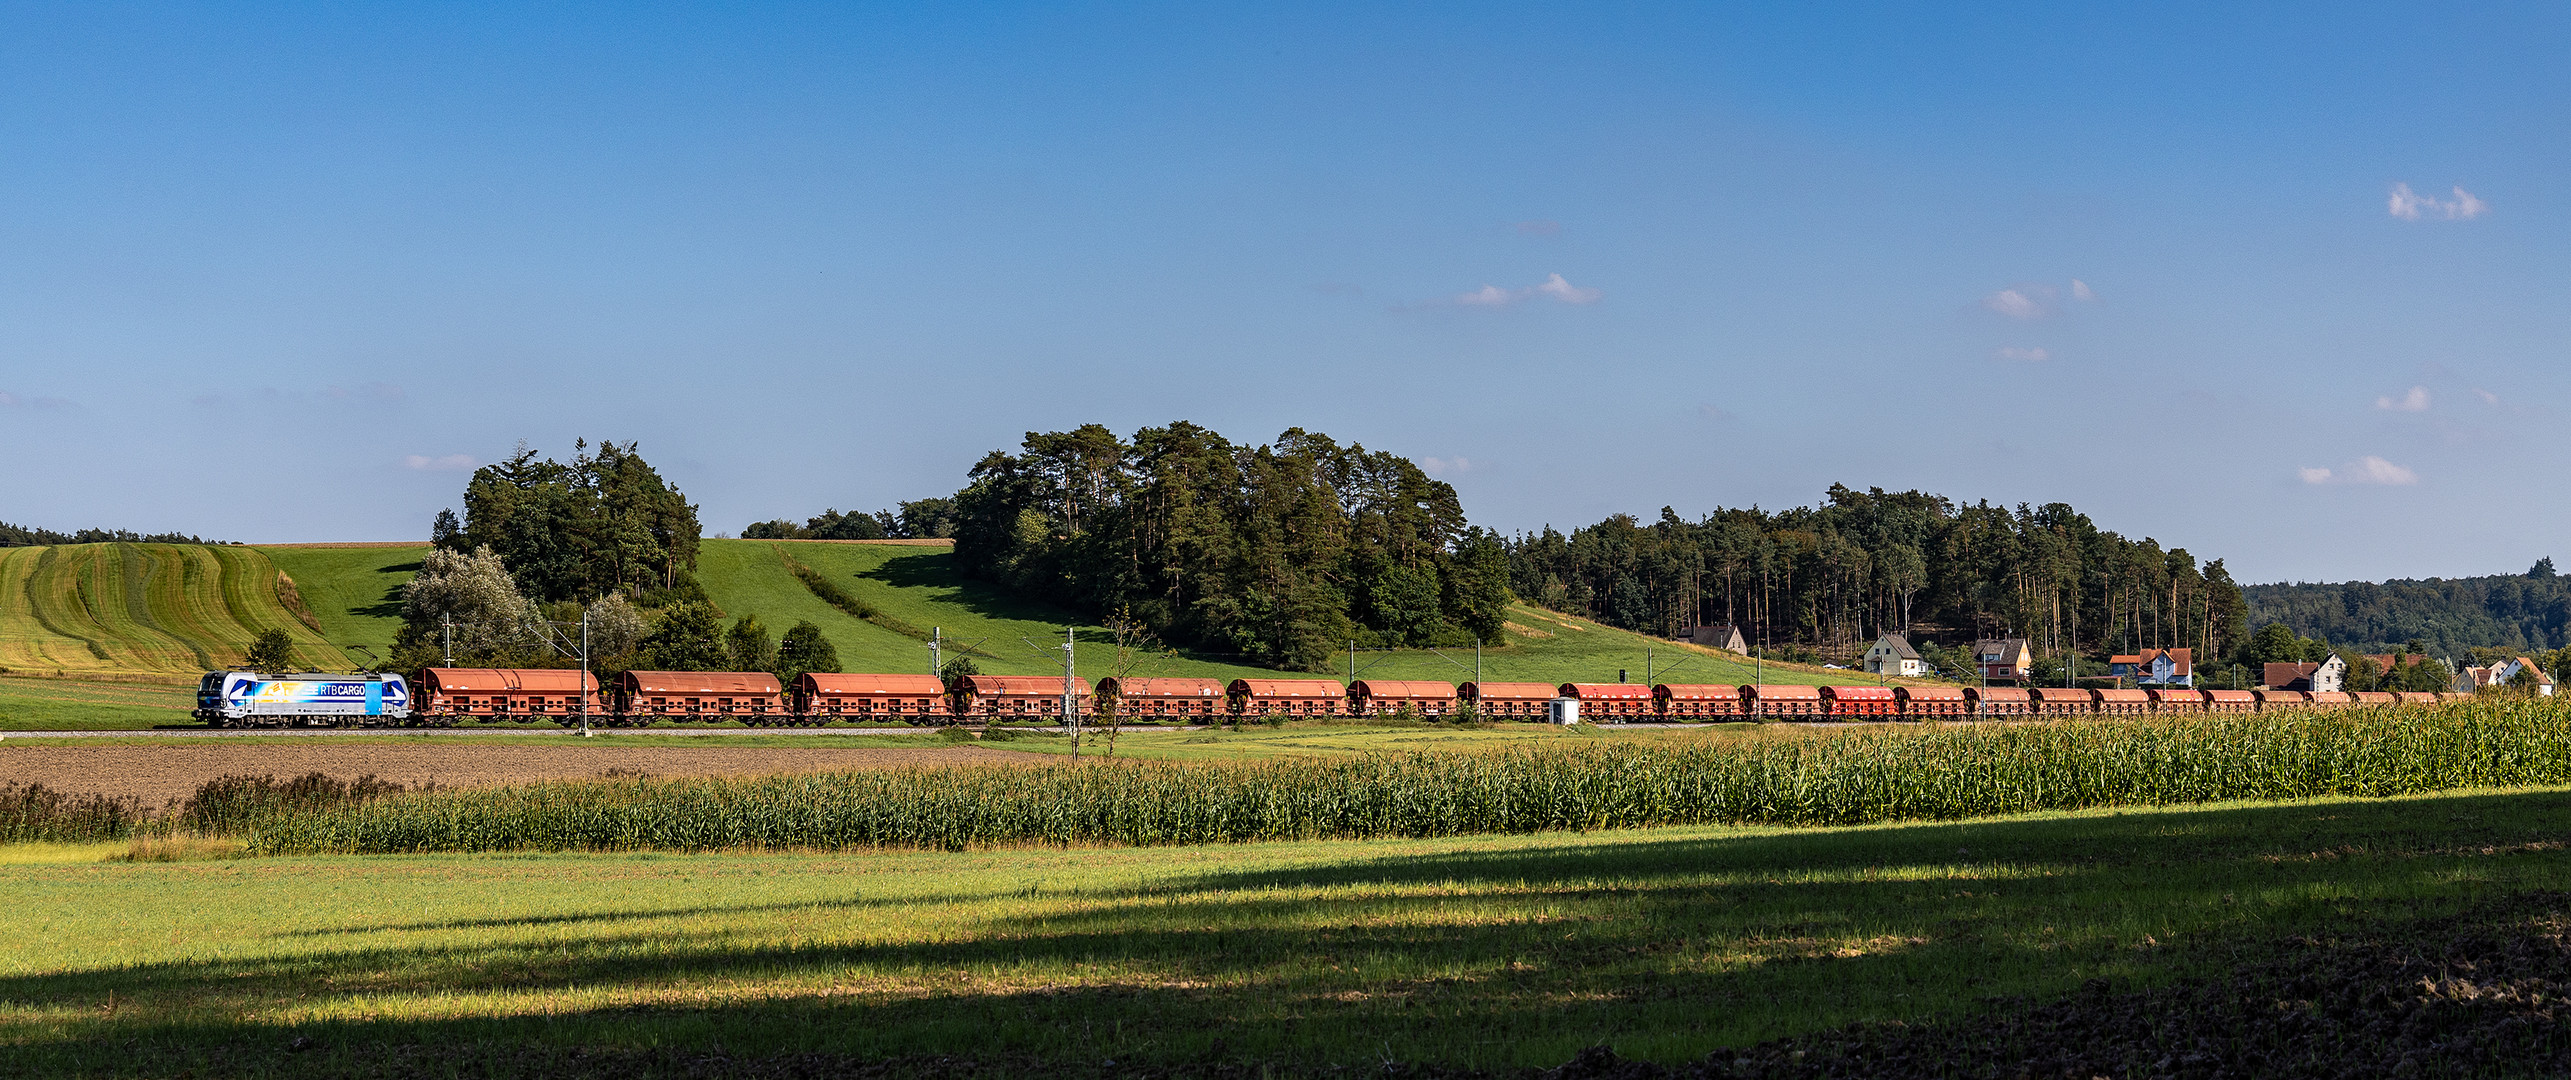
pixel 2414 399
pixel 2410 205
pixel 19 401
pixel 447 463
pixel 1713 412
pixel 1553 287
pixel 2028 302
pixel 2031 355
pixel 2488 398
pixel 2365 470
pixel 1436 466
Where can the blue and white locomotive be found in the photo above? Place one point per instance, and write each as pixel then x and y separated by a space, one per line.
pixel 251 699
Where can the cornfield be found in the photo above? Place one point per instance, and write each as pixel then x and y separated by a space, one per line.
pixel 1927 773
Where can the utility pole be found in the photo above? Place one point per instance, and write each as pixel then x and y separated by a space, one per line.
pixel 1352 662
pixel 584 671
pixel 936 663
pixel 448 623
pixel 1070 697
pixel 1477 660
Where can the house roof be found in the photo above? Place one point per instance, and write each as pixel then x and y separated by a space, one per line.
pixel 2279 674
pixel 2541 677
pixel 2003 646
pixel 2182 662
pixel 1900 646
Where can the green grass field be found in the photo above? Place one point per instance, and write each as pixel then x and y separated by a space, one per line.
pixel 1665 944
pixel 109 611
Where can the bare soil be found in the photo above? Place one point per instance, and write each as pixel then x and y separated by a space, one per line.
pixel 157 774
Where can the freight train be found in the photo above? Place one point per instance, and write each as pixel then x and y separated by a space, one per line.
pixel 449 695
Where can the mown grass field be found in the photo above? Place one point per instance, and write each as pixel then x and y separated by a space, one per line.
pixel 143 608
pixel 1666 944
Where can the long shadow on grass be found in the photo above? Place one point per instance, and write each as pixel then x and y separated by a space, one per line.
pixel 1663 948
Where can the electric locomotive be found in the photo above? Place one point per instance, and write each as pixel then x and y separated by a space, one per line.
pixel 252 699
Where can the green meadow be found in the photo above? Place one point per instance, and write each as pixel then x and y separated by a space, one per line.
pixel 1480 952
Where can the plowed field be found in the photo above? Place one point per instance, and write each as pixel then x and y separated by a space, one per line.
pixel 156 774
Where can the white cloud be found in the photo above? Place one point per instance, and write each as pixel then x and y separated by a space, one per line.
pixel 1446 466
pixel 2413 400
pixel 2080 290
pixel 2016 304
pixel 2365 470
pixel 2037 354
pixel 2410 205
pixel 2488 398
pixel 448 463
pixel 1554 287
pixel 1567 292
pixel 14 401
pixel 2375 470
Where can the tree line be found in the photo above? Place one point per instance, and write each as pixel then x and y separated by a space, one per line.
pixel 920 519
pixel 2451 616
pixel 22 536
pixel 1281 553
pixel 1832 577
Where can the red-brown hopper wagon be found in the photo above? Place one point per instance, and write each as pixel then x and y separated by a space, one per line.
pixel 2231 701
pixel 2065 701
pixel 2281 699
pixel 1698 701
pixel 2001 700
pixel 2377 698
pixel 1131 700
pixel 1782 701
pixel 2332 699
pixel 1018 697
pixel 826 695
pixel 1859 702
pixel 1498 700
pixel 1606 702
pixel 510 693
pixel 2118 702
pixel 1933 702
pixel 752 696
pixel 1285 697
pixel 1385 697
pixel 2177 701
pixel 2417 697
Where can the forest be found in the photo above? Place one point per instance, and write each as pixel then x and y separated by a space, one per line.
pixel 1280 554
pixel 1828 579
pixel 2446 616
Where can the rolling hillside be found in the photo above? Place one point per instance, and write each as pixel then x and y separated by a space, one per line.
pixel 146 608
pixel 130 609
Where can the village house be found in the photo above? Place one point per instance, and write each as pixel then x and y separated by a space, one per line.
pixel 2156 667
pixel 1719 637
pixel 2004 658
pixel 2327 676
pixel 2503 674
pixel 1891 654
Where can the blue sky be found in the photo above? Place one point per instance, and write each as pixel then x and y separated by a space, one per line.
pixel 2284 286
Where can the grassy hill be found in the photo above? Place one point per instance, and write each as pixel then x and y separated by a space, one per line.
pixel 138 614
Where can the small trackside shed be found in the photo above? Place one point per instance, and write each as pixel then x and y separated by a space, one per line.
pixel 2417 697
pixel 1698 701
pixel 1771 701
pixel 1601 701
pixel 1154 699
pixel 2177 701
pixel 507 692
pixel 2332 699
pixel 1853 702
pixel 1285 697
pixel 825 694
pixel 2065 701
pixel 2281 699
pixel 2231 701
pixel 2123 702
pixel 2001 700
pixel 2376 697
pixel 1385 697
pixel 1489 700
pixel 698 695
pixel 1019 696
pixel 1932 701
